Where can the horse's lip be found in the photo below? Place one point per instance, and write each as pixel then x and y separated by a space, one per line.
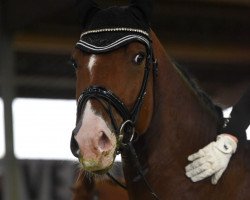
pixel 99 172
pixel 103 171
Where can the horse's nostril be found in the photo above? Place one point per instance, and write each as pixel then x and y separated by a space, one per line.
pixel 104 142
pixel 74 147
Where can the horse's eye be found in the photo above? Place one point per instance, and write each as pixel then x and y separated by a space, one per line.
pixel 73 63
pixel 139 58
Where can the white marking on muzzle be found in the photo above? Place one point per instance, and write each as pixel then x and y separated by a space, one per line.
pixel 92 120
pixel 88 135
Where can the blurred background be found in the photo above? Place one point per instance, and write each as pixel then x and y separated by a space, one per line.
pixel 210 38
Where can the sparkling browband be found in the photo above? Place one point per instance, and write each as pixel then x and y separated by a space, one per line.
pixel 115 30
pixel 116 43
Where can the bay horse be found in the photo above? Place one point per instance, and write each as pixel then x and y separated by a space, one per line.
pixel 168 119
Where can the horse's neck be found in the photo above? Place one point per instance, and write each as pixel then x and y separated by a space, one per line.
pixel 181 120
pixel 181 124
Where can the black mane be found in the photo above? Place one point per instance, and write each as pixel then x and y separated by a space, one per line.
pixel 216 110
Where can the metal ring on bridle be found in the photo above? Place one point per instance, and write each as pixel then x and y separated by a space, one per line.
pixel 121 133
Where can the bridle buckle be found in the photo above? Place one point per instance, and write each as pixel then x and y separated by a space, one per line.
pixel 122 131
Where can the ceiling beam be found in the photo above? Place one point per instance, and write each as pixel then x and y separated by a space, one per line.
pixel 212 53
pixel 39 43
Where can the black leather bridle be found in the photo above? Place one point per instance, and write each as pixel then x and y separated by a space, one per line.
pixel 125 134
pixel 104 95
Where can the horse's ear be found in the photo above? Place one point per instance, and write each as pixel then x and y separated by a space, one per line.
pixel 144 6
pixel 86 10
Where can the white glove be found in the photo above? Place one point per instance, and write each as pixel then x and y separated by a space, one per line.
pixel 212 160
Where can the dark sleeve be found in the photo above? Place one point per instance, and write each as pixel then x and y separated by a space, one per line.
pixel 240 117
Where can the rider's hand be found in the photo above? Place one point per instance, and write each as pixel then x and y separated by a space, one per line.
pixel 212 160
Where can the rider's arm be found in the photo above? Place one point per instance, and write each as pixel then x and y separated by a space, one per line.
pixel 240 117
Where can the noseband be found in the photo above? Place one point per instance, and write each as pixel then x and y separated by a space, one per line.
pixel 125 133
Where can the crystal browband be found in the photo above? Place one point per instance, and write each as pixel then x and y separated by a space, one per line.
pixel 115 30
pixel 117 43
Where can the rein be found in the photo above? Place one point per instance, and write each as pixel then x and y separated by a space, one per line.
pixel 125 134
pixel 139 169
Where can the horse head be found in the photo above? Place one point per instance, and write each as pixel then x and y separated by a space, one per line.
pixel 114 87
